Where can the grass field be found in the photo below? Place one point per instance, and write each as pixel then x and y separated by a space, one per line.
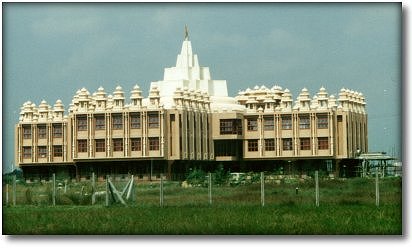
pixel 346 207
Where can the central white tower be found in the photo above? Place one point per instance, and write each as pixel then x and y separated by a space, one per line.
pixel 188 74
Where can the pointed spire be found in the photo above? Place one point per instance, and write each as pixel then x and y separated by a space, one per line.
pixel 186 32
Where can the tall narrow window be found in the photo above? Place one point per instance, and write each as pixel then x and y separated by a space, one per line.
pixel 304 122
pixel 117 145
pixel 82 145
pixel 323 143
pixel 322 121
pixel 42 131
pixel 287 144
pixel 81 123
pixel 252 145
pixel 117 121
pixel 153 119
pixel 153 143
pixel 57 151
pixel 304 143
pixel 100 122
pixel 27 132
pixel 252 124
pixel 57 131
pixel 268 123
pixel 100 145
pixel 135 120
pixel 136 144
pixel 42 151
pixel 269 144
pixel 26 152
pixel 286 122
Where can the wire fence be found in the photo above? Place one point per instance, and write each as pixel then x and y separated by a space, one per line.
pixel 248 189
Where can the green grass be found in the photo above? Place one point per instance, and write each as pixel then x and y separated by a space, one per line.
pixel 327 219
pixel 346 207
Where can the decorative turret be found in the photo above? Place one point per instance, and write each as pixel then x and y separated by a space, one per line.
pixel 136 97
pixel 303 100
pixel 43 111
pixel 118 98
pixel 286 102
pixel 332 102
pixel 58 110
pixel 178 98
pixel 28 111
pixel 100 99
pixel 322 99
pixel 84 100
pixel 154 96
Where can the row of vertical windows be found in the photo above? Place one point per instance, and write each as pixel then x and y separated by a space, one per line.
pixel 286 122
pixel 117 121
pixel 42 131
pixel 42 151
pixel 135 143
pixel 230 126
pixel 253 145
pixel 287 144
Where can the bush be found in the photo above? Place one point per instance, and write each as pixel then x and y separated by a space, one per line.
pixel 220 175
pixel 197 177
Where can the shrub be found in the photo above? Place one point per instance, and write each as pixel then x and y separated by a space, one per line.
pixel 197 177
pixel 220 175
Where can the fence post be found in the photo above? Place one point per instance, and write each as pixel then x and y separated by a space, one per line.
pixel 377 187
pixel 7 194
pixel 93 189
pixel 210 188
pixel 14 190
pixel 107 190
pixel 317 188
pixel 161 190
pixel 262 188
pixel 54 189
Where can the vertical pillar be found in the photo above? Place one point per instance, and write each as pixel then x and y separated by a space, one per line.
pixel 93 188
pixel 14 190
pixel 7 194
pixel 54 189
pixel 377 187
pixel 161 190
pixel 107 190
pixel 210 188
pixel 262 189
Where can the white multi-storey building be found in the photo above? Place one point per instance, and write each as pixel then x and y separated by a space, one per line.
pixel 188 120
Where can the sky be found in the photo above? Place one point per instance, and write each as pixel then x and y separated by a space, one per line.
pixel 51 50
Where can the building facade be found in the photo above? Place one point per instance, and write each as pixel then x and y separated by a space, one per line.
pixel 189 120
